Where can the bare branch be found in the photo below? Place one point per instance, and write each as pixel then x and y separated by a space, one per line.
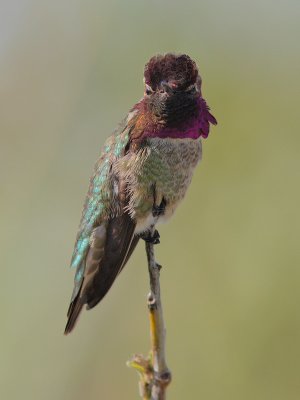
pixel 154 373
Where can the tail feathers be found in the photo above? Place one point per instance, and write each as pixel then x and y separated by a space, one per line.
pixel 73 314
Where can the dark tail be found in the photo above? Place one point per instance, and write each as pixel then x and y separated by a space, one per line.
pixel 73 314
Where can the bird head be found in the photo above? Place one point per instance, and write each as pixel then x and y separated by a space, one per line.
pixel 172 85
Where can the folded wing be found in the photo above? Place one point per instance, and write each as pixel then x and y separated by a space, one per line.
pixel 110 247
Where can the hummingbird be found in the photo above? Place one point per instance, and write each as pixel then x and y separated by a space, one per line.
pixel 142 174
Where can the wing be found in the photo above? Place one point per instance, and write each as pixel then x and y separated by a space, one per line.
pixel 105 239
pixel 111 244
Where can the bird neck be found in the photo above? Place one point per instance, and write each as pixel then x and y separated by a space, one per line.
pixel 180 118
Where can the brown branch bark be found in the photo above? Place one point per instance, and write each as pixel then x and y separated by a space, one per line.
pixel 154 373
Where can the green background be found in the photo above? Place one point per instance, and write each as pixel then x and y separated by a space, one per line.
pixel 69 72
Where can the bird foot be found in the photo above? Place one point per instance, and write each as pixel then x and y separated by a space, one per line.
pixel 151 238
pixel 158 210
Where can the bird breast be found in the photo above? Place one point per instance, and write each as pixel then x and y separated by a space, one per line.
pixel 160 169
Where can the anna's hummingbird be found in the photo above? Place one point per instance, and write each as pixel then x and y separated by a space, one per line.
pixel 142 174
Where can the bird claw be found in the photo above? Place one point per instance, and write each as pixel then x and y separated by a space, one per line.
pixel 158 210
pixel 151 238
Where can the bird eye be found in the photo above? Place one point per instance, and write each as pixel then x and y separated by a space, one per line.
pixel 148 90
pixel 191 89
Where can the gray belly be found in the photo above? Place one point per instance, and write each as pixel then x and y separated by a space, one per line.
pixel 168 167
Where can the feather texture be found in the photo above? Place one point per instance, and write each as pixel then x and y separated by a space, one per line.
pixel 142 174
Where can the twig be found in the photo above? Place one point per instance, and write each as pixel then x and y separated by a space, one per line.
pixel 154 373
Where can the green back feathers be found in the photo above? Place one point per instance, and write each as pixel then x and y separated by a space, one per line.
pixel 97 206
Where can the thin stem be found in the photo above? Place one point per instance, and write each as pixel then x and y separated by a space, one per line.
pixel 155 376
pixel 162 375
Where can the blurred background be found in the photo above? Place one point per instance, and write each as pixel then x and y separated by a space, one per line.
pixel 69 72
